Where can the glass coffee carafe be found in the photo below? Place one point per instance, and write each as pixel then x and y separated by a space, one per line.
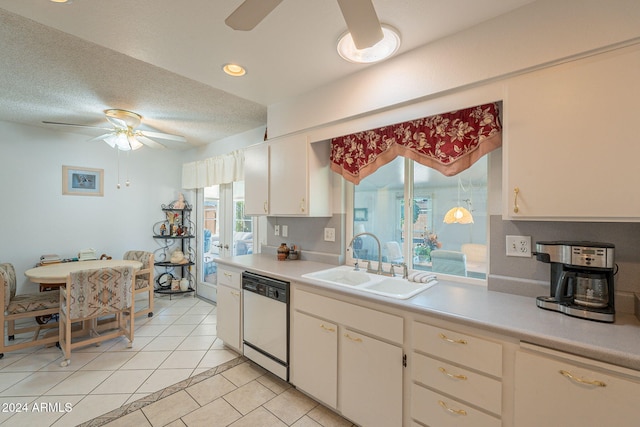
pixel 592 290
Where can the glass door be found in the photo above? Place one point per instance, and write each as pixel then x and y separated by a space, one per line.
pixel 224 230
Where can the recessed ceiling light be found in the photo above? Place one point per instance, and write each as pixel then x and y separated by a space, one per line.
pixel 378 52
pixel 234 70
pixel 62 1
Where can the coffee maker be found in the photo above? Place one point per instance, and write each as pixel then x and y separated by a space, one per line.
pixel 581 279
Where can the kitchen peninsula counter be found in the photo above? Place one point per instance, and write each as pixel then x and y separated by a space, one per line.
pixel 472 305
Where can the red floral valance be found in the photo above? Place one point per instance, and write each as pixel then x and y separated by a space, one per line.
pixel 449 143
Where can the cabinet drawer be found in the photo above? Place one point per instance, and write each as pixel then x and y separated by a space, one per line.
pixel 466 385
pixel 473 352
pixel 367 320
pixel 579 394
pixel 435 410
pixel 229 277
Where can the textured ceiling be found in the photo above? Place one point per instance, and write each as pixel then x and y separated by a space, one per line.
pixel 162 58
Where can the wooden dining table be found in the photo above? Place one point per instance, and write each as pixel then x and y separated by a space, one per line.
pixel 52 275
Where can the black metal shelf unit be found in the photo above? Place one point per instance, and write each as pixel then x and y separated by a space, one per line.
pixel 172 234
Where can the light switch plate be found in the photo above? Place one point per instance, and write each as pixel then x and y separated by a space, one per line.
pixel 276 230
pixel 285 231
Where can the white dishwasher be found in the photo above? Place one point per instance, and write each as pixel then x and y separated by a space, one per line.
pixel 266 322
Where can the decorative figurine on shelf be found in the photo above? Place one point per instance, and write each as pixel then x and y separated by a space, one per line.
pixel 163 230
pixel 180 203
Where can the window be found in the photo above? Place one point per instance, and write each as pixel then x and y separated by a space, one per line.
pixel 413 232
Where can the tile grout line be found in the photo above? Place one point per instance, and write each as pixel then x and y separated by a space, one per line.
pixel 160 394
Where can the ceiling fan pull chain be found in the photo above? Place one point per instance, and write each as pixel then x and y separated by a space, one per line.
pixel 118 154
pixel 127 182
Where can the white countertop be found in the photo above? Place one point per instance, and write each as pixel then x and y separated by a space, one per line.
pixel 511 315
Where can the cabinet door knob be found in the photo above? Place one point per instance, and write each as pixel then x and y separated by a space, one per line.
pixel 447 339
pixel 516 191
pixel 453 411
pixel 581 380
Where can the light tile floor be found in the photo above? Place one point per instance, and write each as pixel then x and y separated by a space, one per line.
pixel 177 373
pixel 178 342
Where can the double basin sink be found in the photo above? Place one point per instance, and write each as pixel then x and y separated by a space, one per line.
pixel 393 287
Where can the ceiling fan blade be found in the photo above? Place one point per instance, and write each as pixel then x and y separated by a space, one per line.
pixel 74 125
pixel 362 22
pixel 148 141
pixel 250 13
pixel 101 137
pixel 119 123
pixel 160 135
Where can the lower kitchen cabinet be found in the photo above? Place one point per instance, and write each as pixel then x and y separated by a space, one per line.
pixel 456 378
pixel 370 380
pixel 349 357
pixel 552 387
pixel 229 312
pixel 315 350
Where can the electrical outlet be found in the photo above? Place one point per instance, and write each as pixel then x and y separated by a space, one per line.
pixel 519 246
pixel 285 231
pixel 329 234
pixel 276 230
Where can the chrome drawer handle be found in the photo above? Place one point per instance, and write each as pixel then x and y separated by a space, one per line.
pixel 457 377
pixel 327 329
pixel 453 411
pixel 444 337
pixel 352 338
pixel 582 381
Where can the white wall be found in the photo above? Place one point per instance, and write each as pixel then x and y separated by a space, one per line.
pixel 537 34
pixel 37 219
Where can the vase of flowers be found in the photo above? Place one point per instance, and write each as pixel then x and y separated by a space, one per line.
pixel 430 242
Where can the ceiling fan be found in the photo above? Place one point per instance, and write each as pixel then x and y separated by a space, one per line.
pixel 360 16
pixel 124 135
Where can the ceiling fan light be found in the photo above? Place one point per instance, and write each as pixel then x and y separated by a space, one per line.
pixel 122 142
pixel 382 50
pixel 133 142
pixel 234 70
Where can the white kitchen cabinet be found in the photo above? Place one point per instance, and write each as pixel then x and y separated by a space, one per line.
pixel 299 177
pixel 356 351
pixel 256 180
pixel 570 143
pixel 370 380
pixel 315 351
pixel 457 378
pixel 229 303
pixel 552 387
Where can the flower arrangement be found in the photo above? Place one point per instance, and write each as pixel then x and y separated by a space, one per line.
pixel 430 242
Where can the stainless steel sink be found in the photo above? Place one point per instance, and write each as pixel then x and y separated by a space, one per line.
pixel 393 287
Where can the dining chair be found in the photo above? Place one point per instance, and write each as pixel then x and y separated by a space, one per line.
pixel 144 277
pixel 89 295
pixel 449 262
pixel 25 306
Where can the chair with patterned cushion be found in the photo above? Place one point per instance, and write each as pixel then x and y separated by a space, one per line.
pixel 22 307
pixel 89 295
pixel 144 277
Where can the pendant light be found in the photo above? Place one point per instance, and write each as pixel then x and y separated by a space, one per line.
pixel 458 214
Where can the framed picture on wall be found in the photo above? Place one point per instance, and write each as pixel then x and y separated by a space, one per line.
pixel 360 214
pixel 78 181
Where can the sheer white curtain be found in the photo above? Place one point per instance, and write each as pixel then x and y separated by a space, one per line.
pixel 223 169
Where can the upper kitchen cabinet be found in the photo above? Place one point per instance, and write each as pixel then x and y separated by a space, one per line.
pixel 299 177
pixel 571 144
pixel 256 180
